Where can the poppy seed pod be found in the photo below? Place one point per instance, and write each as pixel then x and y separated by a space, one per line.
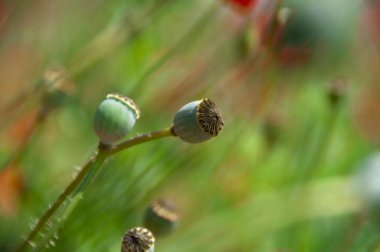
pixel 197 121
pixel 138 240
pixel 337 90
pixel 115 117
pixel 161 217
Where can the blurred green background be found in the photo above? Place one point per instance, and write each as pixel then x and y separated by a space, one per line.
pixel 296 83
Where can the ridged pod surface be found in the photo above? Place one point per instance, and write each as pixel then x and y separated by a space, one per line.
pixel 198 121
pixel 115 117
pixel 138 240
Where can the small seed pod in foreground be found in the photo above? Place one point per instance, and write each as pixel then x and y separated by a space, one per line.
pixel 369 186
pixel 115 117
pixel 138 240
pixel 197 121
pixel 161 217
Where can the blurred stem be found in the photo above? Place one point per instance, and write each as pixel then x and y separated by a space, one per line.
pixel 312 163
pixel 112 38
pixel 309 148
pixel 86 176
pixel 311 167
pixel 187 38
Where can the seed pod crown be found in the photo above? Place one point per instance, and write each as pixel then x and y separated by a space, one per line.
pixel 138 240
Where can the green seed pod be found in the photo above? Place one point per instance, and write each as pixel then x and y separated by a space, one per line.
pixel 138 240
pixel 197 121
pixel 369 186
pixel 115 117
pixel 161 217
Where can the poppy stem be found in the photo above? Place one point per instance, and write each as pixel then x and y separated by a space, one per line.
pixel 86 175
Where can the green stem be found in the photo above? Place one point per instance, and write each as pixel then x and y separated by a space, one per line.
pixel 86 176
pixel 141 139
pixel 313 165
pixel 57 204
pixel 102 156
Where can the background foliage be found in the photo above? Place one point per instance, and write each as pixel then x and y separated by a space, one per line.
pixel 280 175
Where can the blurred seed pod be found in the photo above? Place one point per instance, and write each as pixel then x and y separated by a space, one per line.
pixel 197 121
pixel 273 128
pixel 138 240
pixel 57 88
pixel 161 217
pixel 115 117
pixel 337 90
pixel 369 186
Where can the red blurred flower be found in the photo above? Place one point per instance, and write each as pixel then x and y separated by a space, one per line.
pixel 371 20
pixel 243 6
pixel 243 3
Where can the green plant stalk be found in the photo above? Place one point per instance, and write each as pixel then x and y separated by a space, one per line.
pixel 57 204
pixel 311 166
pixel 86 176
pixel 141 139
pixel 308 165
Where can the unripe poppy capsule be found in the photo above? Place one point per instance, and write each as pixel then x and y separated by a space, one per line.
pixel 115 117
pixel 197 121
